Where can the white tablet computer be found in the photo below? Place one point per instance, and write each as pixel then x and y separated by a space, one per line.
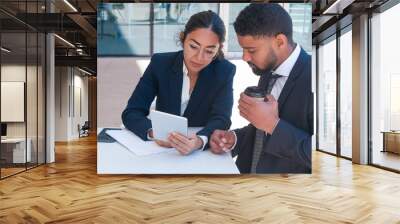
pixel 164 123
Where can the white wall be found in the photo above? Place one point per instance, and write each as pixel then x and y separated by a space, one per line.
pixel 80 83
pixel 68 81
pixel 61 103
pixel 244 77
pixel 15 72
pixel 116 80
pixel 33 126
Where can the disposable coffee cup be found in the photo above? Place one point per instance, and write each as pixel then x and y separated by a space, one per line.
pixel 255 92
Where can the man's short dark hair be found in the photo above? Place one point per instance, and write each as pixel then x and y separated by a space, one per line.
pixel 264 19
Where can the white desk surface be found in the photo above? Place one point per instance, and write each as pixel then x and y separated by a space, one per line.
pixel 113 158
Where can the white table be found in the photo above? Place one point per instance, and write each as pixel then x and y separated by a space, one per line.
pixel 113 158
pixel 19 155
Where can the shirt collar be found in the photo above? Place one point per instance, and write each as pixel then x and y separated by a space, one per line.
pixel 286 67
pixel 185 70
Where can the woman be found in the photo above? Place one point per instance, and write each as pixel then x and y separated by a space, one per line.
pixel 195 83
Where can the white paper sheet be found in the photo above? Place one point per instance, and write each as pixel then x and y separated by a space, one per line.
pixel 136 145
pixel 114 158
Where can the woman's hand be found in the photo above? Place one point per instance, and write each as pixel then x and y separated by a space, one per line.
pixel 185 145
pixel 161 143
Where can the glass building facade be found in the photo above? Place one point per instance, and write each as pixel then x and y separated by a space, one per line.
pixel 22 77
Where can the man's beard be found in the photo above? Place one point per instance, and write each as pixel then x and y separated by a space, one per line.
pixel 270 65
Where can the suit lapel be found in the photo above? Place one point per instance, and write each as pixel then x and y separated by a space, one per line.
pixel 175 85
pixel 200 90
pixel 291 81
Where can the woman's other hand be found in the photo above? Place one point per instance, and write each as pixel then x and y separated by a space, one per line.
pixel 185 145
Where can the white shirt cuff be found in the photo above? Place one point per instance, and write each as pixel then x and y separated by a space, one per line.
pixel 205 141
pixel 148 135
pixel 234 145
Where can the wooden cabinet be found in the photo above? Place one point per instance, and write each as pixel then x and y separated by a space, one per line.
pixel 391 141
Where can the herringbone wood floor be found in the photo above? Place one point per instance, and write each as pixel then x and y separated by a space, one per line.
pixel 70 191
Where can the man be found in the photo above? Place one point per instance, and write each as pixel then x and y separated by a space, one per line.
pixel 278 138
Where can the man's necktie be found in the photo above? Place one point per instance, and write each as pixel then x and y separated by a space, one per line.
pixel 260 134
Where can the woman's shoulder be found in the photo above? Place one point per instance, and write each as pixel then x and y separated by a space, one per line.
pixel 225 67
pixel 224 63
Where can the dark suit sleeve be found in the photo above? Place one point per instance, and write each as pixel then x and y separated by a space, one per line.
pixel 221 110
pixel 134 117
pixel 290 142
pixel 240 135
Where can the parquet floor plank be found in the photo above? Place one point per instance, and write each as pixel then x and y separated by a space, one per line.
pixel 70 191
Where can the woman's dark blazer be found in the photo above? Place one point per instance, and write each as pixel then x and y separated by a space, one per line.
pixel 210 104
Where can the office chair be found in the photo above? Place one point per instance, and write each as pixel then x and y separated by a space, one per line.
pixel 84 130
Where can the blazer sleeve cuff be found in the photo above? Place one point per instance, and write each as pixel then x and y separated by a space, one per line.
pixel 284 141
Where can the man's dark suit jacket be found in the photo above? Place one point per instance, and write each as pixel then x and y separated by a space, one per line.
pixel 210 104
pixel 288 149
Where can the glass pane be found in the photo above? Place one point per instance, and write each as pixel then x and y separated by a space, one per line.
pixel 327 97
pixel 385 85
pixel 123 29
pixel 31 98
pixel 234 9
pixel 31 89
pixel 301 18
pixel 346 94
pixel 169 21
pixel 13 87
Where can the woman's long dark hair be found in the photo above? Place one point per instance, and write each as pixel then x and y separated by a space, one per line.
pixel 206 19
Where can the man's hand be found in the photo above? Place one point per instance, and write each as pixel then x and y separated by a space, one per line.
pixel 221 141
pixel 185 145
pixel 263 115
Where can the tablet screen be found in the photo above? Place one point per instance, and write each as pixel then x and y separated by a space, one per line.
pixel 164 123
